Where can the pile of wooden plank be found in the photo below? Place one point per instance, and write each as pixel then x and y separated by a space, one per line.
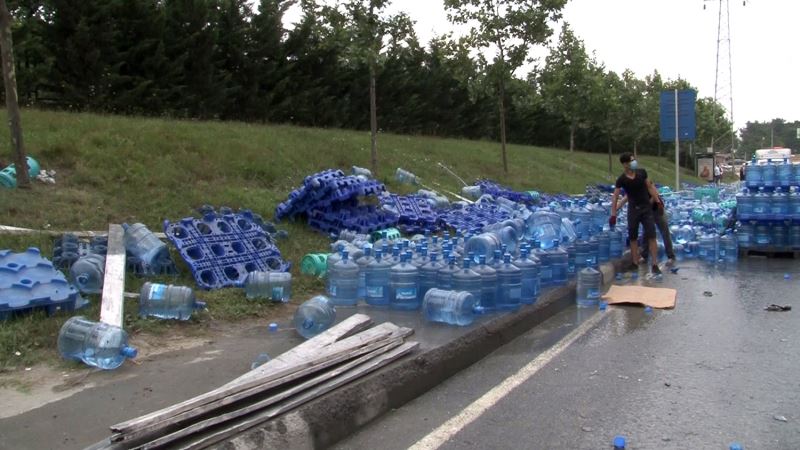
pixel 341 354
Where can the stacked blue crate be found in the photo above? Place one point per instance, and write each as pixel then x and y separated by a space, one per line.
pixel 414 213
pixel 29 282
pixel 221 249
pixel 473 217
pixel 330 201
pixel 497 190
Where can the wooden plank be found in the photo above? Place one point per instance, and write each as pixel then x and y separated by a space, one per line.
pixel 114 280
pixel 259 418
pixel 6 229
pixel 327 375
pixel 377 346
pixel 333 354
pixel 348 327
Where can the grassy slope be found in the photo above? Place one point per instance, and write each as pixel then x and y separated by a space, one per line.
pixel 118 169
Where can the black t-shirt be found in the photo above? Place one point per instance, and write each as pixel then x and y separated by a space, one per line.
pixel 635 187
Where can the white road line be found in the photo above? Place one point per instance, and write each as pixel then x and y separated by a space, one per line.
pixel 447 430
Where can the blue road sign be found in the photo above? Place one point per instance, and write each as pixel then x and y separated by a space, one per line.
pixel 686 115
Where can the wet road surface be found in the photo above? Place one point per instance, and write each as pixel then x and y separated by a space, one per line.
pixel 715 370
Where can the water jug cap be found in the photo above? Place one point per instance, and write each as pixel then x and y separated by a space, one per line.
pixel 482 259
pixel 619 442
pixel 466 263
pixel 200 305
pixel 345 254
pixel 507 257
pixel 129 352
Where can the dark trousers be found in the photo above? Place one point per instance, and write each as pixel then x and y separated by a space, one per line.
pixel 663 227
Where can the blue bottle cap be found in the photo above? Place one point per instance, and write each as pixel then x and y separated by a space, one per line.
pixel 619 442
pixel 648 309
pixel 129 352
pixel 603 306
pixel 736 446
pixel 273 327
pixel 786 276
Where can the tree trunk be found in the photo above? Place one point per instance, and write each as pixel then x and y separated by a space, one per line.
pixel 609 157
pixel 503 122
pixel 636 147
pixel 373 121
pixel 572 137
pixel 12 105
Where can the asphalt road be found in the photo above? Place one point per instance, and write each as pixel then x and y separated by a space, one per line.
pixel 715 370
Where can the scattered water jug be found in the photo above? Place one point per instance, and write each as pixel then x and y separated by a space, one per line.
pixel 450 307
pixel 97 344
pixel 168 301
pixel 275 286
pixel 88 273
pixel 314 316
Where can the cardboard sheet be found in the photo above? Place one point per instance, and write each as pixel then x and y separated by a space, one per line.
pixel 661 298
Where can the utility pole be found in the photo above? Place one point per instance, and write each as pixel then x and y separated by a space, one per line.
pixel 12 105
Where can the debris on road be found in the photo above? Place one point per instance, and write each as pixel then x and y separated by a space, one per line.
pixel 780 418
pixel 708 293
pixel 774 307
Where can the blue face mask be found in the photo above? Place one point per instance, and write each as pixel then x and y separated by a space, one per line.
pixel 634 164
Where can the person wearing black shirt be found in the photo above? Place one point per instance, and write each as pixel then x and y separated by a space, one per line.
pixel 642 195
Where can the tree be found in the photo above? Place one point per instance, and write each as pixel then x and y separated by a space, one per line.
pixel 371 26
pixel 511 27
pixel 82 37
pixel 566 82
pixel 189 39
pixel 613 118
pixel 234 68
pixel 633 102
pixel 137 86
pixel 10 82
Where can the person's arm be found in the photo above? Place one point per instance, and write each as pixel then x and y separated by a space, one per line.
pixel 622 203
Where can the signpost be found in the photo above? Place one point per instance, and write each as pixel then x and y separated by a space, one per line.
pixel 678 122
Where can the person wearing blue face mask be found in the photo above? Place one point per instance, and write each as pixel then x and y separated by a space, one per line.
pixel 641 196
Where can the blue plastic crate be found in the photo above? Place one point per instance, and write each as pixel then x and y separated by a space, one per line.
pixel 497 190
pixel 473 217
pixel 29 282
pixel 221 250
pixel 324 189
pixel 414 213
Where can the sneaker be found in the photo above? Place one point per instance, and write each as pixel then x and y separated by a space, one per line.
pixel 655 270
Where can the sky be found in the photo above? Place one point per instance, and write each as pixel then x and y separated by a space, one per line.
pixel 679 39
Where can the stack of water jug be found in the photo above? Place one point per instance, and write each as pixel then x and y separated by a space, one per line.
pixel 451 278
pixel 768 209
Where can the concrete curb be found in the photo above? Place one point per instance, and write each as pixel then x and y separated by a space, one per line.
pixel 328 419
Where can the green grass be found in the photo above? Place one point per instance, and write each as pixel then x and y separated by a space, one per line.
pixel 113 169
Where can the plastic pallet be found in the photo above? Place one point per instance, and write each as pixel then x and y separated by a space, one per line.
pixel 222 249
pixel 414 213
pixel 29 282
pixel 473 217
pixel 362 219
pixel 497 190
pixel 324 189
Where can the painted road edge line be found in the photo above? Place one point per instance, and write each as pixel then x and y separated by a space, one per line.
pixel 447 430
